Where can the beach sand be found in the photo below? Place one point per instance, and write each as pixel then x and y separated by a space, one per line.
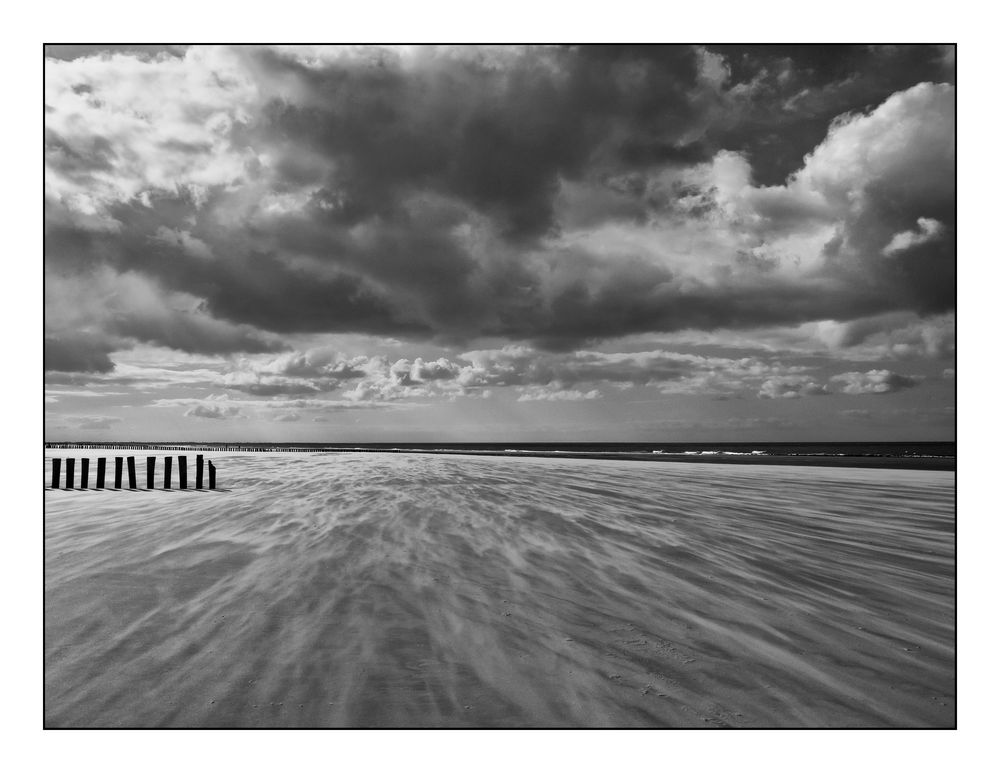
pixel 407 590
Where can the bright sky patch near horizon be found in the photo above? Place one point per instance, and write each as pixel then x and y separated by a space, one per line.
pixel 349 244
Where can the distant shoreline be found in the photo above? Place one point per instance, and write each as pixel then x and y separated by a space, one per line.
pixel 868 461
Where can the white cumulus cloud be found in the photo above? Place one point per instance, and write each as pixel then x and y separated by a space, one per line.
pixel 874 382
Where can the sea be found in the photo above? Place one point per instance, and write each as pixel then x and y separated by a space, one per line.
pixel 912 455
pixel 341 589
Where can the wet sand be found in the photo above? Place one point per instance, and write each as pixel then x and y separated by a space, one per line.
pixel 409 590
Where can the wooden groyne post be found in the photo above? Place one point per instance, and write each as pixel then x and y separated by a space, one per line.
pixel 67 479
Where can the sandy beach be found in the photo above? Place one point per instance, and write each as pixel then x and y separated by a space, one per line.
pixel 408 590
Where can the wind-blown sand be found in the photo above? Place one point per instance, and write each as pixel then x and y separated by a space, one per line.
pixel 341 590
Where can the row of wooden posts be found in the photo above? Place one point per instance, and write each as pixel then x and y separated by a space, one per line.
pixel 156 447
pixel 130 465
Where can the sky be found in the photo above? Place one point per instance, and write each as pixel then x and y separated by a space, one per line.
pixel 359 243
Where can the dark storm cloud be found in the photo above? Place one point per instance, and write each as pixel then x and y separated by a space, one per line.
pixel 495 129
pixel 190 332
pixel 553 195
pixel 791 93
pixel 640 298
pixel 119 309
pixel 78 353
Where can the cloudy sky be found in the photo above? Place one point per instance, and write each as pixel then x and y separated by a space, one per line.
pixel 352 244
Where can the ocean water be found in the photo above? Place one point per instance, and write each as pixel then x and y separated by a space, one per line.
pixel 408 590
pixel 871 453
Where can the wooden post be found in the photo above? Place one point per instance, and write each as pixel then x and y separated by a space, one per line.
pixel 211 475
pixel 150 471
pixel 199 471
pixel 131 471
pixel 56 464
pixel 118 472
pixel 69 472
pixel 84 472
pixel 101 464
pixel 167 463
pixel 182 470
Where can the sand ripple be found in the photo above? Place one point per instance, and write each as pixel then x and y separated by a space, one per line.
pixel 407 590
